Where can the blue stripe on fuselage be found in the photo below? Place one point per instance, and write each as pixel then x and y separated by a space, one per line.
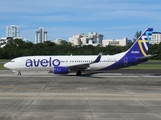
pixel 124 62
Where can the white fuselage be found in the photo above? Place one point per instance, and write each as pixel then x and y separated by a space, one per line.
pixel 49 62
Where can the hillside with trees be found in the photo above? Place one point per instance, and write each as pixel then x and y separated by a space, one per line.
pixel 16 48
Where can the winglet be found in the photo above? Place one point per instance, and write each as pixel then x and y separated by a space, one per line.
pixel 98 58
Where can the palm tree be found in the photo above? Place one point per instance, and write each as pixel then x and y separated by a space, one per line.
pixel 137 35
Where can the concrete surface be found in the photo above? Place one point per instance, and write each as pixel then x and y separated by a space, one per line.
pixel 103 96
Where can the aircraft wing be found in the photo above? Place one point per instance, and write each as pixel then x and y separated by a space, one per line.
pixel 85 65
pixel 146 57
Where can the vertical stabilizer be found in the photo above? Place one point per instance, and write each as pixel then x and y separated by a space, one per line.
pixel 141 45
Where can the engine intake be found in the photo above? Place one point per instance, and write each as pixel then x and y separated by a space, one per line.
pixel 60 70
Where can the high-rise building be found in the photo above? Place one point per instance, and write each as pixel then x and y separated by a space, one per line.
pixel 116 42
pixel 156 38
pixel 92 38
pixel 40 36
pixel 12 31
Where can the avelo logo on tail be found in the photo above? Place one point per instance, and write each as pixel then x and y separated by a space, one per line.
pixel 140 47
pixel 144 41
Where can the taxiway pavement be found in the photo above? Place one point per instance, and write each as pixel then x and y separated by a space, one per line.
pixel 101 96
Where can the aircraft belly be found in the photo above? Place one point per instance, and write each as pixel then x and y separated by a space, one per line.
pixel 99 66
pixel 33 68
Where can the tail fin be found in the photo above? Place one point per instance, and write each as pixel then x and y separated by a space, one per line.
pixel 141 45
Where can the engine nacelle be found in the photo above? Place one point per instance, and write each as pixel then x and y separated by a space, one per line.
pixel 60 70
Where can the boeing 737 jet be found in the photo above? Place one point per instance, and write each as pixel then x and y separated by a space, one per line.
pixel 138 53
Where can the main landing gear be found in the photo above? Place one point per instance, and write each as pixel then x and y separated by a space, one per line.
pixel 79 73
pixel 19 73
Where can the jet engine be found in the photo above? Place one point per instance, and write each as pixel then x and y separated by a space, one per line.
pixel 60 70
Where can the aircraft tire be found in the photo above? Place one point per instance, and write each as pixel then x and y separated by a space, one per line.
pixel 19 73
pixel 78 73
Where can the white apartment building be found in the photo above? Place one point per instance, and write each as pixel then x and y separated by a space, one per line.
pixel 116 42
pixel 76 39
pixel 92 38
pixel 12 31
pixel 4 40
pixel 58 41
pixel 40 35
pixel 156 38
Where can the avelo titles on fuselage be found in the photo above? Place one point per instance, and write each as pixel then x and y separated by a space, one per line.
pixel 46 62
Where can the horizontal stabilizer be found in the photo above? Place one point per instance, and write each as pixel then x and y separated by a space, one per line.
pixel 146 57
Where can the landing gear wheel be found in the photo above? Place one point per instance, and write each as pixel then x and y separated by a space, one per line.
pixel 19 73
pixel 78 73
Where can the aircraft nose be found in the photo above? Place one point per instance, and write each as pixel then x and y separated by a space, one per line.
pixel 6 65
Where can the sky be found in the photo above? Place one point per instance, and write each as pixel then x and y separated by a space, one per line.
pixel 115 19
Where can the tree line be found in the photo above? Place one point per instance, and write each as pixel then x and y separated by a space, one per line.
pixel 17 47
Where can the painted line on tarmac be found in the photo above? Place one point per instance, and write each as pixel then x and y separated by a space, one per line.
pixel 13 75
pixel 113 76
pixel 117 75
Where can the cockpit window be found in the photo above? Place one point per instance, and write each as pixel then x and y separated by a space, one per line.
pixel 12 60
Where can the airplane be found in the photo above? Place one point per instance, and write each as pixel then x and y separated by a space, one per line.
pixel 136 54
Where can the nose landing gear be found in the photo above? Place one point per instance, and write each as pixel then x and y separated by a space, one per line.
pixel 19 73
